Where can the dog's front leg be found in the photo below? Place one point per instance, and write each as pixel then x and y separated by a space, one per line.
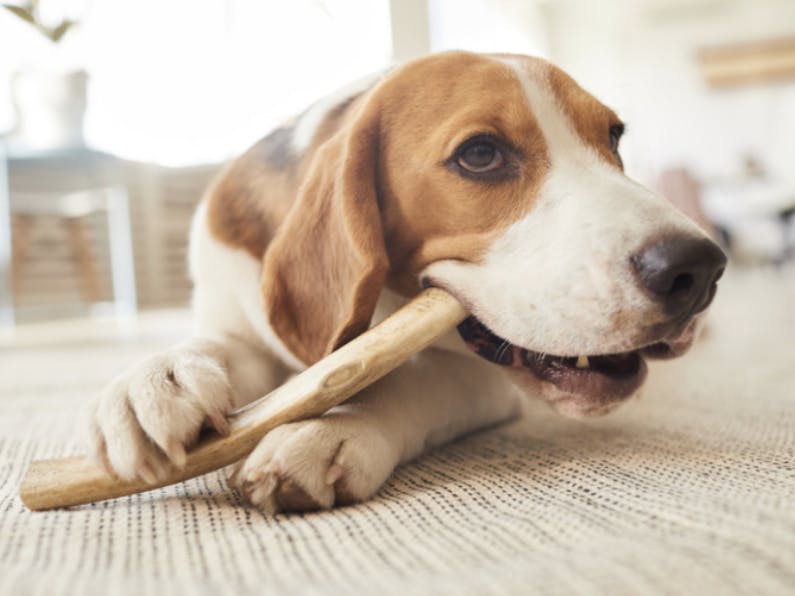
pixel 347 454
pixel 144 420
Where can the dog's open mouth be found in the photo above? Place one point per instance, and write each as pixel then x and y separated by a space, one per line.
pixel 601 376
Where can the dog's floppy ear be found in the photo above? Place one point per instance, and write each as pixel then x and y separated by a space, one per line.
pixel 325 268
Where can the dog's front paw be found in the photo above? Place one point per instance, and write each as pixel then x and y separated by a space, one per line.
pixel 335 460
pixel 144 420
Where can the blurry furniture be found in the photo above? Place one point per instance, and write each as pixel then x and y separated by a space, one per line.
pixel 755 217
pixel 162 202
pixel 58 282
pixel 684 191
pixel 6 305
pixel 71 189
pixel 787 219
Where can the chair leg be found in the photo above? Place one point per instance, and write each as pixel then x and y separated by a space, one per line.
pixel 20 246
pixel 81 246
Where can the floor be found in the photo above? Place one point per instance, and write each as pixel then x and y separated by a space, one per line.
pixel 687 490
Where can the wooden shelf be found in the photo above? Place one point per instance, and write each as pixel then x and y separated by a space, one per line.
pixel 764 61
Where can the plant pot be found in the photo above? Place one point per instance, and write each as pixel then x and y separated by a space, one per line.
pixel 50 108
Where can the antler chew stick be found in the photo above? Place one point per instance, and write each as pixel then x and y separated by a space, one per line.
pixel 48 484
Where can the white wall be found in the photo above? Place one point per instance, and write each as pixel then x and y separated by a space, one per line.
pixel 488 26
pixel 640 58
pixel 181 81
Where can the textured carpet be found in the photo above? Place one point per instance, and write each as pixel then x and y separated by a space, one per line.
pixel 688 490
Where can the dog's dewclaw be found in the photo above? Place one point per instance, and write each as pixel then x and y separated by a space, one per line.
pixel 75 480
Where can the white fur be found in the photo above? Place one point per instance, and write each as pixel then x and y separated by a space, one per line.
pixel 152 412
pixel 227 297
pixel 308 123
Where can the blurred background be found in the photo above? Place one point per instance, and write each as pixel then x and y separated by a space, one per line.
pixel 117 113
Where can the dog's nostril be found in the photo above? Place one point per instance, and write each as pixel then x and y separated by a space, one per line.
pixel 682 283
pixel 680 272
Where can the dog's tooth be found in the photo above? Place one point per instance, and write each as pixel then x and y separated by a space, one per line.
pixel 582 362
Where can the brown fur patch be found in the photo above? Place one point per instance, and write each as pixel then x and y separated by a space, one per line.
pixel 253 195
pixel 247 203
pixel 591 119
pixel 324 270
pixel 430 212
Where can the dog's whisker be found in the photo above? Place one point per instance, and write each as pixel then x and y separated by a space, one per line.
pixel 501 350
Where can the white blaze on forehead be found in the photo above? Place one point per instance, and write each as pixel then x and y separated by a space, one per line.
pixel 308 123
pixel 563 142
pixel 560 280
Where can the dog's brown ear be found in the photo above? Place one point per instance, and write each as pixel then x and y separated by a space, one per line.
pixel 325 267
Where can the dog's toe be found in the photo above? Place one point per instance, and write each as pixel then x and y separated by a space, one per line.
pixel 143 421
pixel 313 465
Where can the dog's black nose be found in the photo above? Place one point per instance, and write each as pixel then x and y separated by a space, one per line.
pixel 680 272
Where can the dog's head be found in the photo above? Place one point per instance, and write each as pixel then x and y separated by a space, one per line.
pixel 500 180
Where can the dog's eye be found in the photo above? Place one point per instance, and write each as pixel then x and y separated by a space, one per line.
pixel 615 136
pixel 480 156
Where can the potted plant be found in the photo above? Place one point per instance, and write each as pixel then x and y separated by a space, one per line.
pixel 49 101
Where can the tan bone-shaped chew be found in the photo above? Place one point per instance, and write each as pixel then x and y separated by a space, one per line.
pixel 48 484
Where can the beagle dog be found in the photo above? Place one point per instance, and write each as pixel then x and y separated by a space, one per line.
pixel 495 177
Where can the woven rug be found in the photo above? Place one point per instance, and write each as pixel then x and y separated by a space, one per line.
pixel 688 490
